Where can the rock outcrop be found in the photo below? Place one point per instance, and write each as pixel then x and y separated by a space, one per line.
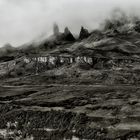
pixel 83 33
pixel 68 35
pixel 58 37
pixel 55 29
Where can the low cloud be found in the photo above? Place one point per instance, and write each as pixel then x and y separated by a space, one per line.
pixel 24 20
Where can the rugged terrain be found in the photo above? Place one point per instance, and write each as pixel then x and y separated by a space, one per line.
pixel 94 93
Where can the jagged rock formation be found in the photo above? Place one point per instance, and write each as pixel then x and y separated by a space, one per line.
pixel 58 37
pixel 110 49
pixel 68 35
pixel 83 33
pixel 55 29
pixel 7 48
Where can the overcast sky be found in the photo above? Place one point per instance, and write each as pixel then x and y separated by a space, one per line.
pixel 24 20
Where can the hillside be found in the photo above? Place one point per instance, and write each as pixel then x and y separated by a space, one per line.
pixel 114 51
pixel 74 88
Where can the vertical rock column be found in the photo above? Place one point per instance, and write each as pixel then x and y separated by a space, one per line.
pixel 83 33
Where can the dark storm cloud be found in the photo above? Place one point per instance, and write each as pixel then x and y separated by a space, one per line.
pixel 24 20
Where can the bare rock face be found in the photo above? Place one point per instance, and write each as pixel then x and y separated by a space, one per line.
pixel 83 33
pixel 68 35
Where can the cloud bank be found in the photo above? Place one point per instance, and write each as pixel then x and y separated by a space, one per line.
pixel 24 20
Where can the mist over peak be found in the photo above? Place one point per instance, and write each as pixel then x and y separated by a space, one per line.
pixel 23 21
